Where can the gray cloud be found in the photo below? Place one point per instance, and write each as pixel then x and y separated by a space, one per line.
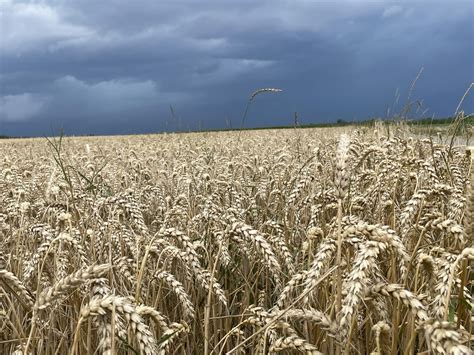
pixel 392 10
pixel 28 26
pixel 105 96
pixel 14 108
pixel 85 64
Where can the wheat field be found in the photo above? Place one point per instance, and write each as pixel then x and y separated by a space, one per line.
pixel 335 241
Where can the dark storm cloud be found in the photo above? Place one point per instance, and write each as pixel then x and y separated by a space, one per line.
pixel 117 66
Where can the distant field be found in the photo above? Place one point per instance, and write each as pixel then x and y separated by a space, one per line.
pixel 350 240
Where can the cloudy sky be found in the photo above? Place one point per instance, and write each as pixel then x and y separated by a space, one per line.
pixel 111 67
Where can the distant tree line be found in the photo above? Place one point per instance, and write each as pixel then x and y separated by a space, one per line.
pixel 469 120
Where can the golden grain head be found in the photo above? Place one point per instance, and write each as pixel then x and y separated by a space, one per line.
pixel 303 240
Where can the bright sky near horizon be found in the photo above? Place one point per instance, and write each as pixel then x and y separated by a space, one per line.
pixel 109 67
